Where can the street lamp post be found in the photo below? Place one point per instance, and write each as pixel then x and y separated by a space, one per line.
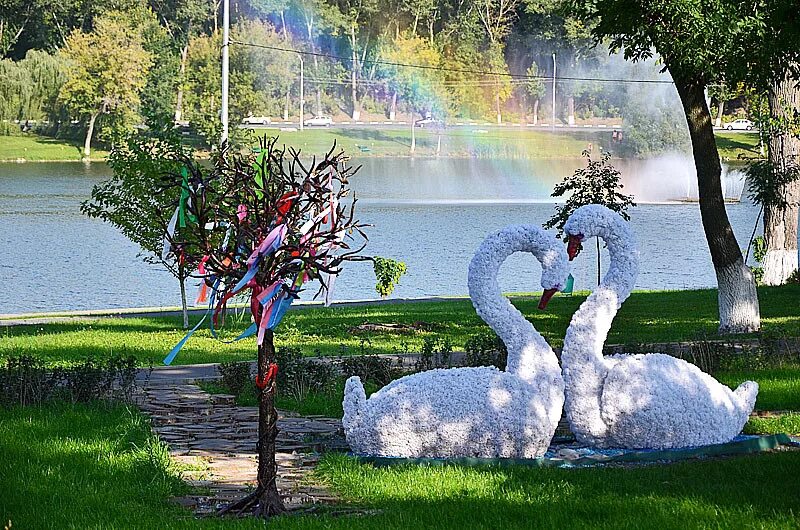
pixel 225 69
pixel 302 95
pixel 554 91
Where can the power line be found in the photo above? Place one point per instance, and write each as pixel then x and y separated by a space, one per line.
pixel 446 69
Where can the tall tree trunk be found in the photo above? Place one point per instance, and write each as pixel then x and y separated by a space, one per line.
pixel 353 74
pixel 570 110
pixel 287 103
pixel 87 143
pixel 288 100
pixel 536 112
pixel 265 499
pixel 497 102
pixel 269 502
pixel 393 108
pixel 184 305
pixel 317 89
pixel 780 220
pixel 720 109
pixel 182 73
pixel 737 295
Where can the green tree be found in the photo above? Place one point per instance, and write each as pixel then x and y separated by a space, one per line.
pixel 15 94
pixel 598 183
pixel 235 205
pixel 107 72
pixel 697 40
pixel 422 89
pixel 534 87
pixel 133 200
pixel 721 93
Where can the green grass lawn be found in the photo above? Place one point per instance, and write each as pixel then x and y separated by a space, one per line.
pixel 95 466
pixel 460 142
pixel 37 148
pixel 646 317
pixel 456 142
pixel 733 144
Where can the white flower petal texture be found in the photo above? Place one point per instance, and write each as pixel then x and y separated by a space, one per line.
pixel 652 401
pixel 474 412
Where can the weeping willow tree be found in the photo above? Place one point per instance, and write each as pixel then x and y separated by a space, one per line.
pixel 15 94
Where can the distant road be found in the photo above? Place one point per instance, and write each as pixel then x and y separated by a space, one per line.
pixel 402 125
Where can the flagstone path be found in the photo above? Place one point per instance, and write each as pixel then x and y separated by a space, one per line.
pixel 215 440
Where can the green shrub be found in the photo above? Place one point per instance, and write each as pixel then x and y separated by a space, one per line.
pixel 236 376
pixel 486 349
pixel 24 380
pixel 370 368
pixel 435 353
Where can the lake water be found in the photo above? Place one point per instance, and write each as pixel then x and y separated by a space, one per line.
pixel 432 214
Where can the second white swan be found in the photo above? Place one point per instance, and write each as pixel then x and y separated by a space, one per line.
pixel 636 401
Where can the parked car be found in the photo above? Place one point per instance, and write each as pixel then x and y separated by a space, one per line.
pixel 257 120
pixel 325 121
pixel 740 125
pixel 428 122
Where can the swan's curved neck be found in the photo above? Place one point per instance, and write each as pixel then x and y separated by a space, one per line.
pixel 528 352
pixel 591 323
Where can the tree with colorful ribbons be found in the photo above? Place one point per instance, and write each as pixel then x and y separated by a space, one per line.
pixel 265 226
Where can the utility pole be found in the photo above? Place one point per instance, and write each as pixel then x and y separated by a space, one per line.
pixel 554 90
pixel 302 95
pixel 226 22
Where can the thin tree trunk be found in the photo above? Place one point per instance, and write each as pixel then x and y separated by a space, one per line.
pixel 780 220
pixel 571 111
pixel 182 73
pixel 317 89
pixel 353 74
pixel 737 295
pixel 288 99
pixel 265 499
pixel 597 240
pixel 720 109
pixel 287 103
pixel 393 108
pixel 536 112
pixel 497 104
pixel 269 502
pixel 87 144
pixel 184 308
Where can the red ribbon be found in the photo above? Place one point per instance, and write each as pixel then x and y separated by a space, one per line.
pixel 272 372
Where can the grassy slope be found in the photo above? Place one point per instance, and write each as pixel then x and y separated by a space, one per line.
pixel 731 145
pixel 658 316
pixel 501 143
pixel 40 148
pixel 98 467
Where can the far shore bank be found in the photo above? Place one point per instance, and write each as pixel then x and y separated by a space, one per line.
pixel 512 143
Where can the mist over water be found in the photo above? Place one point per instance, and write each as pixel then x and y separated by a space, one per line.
pixel 432 214
pixel 662 179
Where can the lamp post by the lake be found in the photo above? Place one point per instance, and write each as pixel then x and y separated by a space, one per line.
pixel 225 69
pixel 302 95
pixel 554 91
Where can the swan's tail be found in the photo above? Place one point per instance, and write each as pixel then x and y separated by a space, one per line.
pixel 354 401
pixel 746 395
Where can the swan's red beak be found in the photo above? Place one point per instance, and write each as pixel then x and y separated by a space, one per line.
pixel 547 294
pixel 574 246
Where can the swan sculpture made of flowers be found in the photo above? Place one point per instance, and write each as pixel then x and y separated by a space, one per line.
pixel 474 412
pixel 652 401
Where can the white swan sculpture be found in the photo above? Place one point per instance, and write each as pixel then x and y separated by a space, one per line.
pixel 474 412
pixel 636 401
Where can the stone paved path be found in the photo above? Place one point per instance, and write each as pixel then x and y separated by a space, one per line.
pixel 216 440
